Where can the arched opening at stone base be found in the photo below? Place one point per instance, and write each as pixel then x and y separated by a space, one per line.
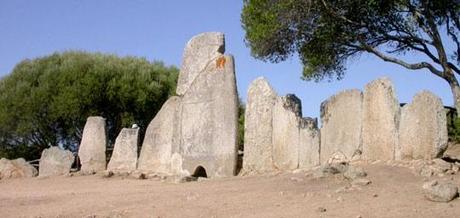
pixel 200 172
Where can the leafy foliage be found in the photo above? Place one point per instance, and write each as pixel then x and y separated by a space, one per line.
pixel 327 33
pixel 45 102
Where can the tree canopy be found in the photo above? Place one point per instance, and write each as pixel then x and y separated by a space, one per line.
pixel 46 101
pixel 327 33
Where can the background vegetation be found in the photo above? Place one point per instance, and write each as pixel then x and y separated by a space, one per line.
pixel 45 101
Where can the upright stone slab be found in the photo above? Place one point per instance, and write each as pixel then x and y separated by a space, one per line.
pixel 198 129
pixel 258 127
pixel 286 141
pixel 93 146
pixel 309 147
pixel 381 115
pixel 124 156
pixel 17 168
pixel 209 119
pixel 55 162
pixel 198 54
pixel 423 128
pixel 161 139
pixel 341 117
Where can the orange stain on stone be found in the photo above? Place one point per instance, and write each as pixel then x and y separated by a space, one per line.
pixel 220 62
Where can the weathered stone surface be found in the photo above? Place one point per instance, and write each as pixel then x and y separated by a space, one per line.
pixel 258 127
pixel 93 146
pixel 55 161
pixel 423 128
pixel 440 192
pixel 17 168
pixel 309 146
pixel 209 120
pixel 341 117
pixel 286 140
pixel 161 139
pixel 198 53
pixel 199 127
pixel 124 156
pixel 380 120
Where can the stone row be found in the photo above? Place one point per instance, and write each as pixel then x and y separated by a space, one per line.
pixel 369 125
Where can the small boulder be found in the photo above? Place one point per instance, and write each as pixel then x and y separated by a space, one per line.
pixel 354 172
pixel 17 168
pixel 55 161
pixel 440 192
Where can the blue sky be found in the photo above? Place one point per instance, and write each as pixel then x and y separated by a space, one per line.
pixel 158 30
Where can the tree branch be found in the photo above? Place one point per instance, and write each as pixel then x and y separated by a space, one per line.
pixel 416 66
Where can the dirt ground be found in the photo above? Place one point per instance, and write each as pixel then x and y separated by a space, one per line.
pixel 394 192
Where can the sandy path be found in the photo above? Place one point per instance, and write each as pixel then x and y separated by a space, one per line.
pixel 394 192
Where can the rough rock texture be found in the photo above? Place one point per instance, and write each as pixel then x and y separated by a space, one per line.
pixel 277 137
pixel 258 127
pixel 440 192
pixel 381 115
pixel 160 139
pixel 309 146
pixel 124 156
pixel 93 146
pixel 197 54
pixel 423 129
pixel 198 128
pixel 55 161
pixel 17 168
pixel 286 140
pixel 209 120
pixel 341 117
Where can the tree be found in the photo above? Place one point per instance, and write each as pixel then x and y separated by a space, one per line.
pixel 45 102
pixel 327 33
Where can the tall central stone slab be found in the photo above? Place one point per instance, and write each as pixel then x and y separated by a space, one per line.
pixel 341 117
pixel 381 116
pixel 198 129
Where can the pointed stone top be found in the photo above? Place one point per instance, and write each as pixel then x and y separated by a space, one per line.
pixel 385 81
pixel 261 83
pixel 198 53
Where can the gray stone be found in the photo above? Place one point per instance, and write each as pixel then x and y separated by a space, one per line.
pixel 309 146
pixel 440 192
pixel 341 117
pixel 286 140
pixel 209 120
pixel 197 54
pixel 258 127
pixel 354 172
pixel 160 139
pixel 381 115
pixel 55 161
pixel 423 128
pixel 17 168
pixel 93 145
pixel 124 156
pixel 198 129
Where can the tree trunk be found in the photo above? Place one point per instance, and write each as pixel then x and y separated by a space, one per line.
pixel 455 88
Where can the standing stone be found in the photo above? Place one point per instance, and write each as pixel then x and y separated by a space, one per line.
pixel 124 156
pixel 209 119
pixel 161 139
pixel 341 117
pixel 423 128
pixel 55 162
pixel 198 53
pixel 286 116
pixel 309 147
pixel 258 127
pixel 17 168
pixel 93 145
pixel 198 129
pixel 380 120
